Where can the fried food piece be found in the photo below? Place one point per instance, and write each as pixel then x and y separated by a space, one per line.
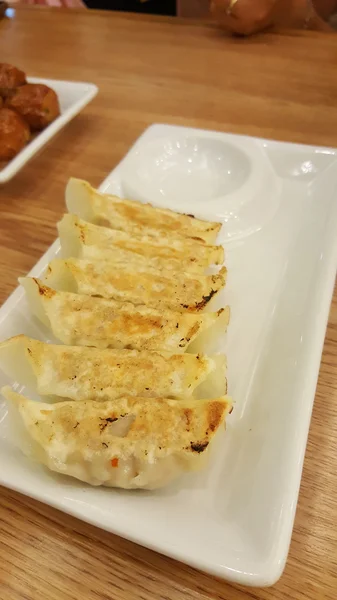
pixel 76 319
pixel 139 286
pixel 80 373
pixel 131 442
pixel 10 79
pixel 36 103
pixel 14 134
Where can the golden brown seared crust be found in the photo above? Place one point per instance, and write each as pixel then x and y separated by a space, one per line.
pixel 81 373
pixel 165 219
pixel 77 319
pixel 165 246
pixel 44 291
pixel 107 280
pixel 10 79
pixel 130 442
pixel 36 103
pixel 135 217
pixel 158 426
pixel 14 134
pixel 214 415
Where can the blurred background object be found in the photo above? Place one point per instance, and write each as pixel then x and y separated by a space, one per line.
pixel 243 17
pixel 160 7
pixel 3 8
pixel 55 3
pixel 246 17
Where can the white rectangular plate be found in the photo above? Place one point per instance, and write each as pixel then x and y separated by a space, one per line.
pixel 73 96
pixel 278 205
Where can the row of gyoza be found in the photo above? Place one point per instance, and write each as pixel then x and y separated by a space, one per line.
pixel 127 299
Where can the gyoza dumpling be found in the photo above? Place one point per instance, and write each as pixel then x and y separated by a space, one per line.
pixel 128 443
pixel 87 321
pixel 76 233
pixel 131 216
pixel 75 242
pixel 79 373
pixel 105 279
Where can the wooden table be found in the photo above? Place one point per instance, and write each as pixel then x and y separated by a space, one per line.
pixel 160 70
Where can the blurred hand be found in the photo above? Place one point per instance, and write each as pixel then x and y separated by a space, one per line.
pixel 246 17
pixel 243 16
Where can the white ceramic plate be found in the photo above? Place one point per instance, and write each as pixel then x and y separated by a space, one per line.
pixel 73 96
pixel 278 205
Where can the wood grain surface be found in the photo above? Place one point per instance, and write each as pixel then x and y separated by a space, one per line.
pixel 160 70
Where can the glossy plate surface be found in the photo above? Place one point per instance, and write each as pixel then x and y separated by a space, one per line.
pixel 278 205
